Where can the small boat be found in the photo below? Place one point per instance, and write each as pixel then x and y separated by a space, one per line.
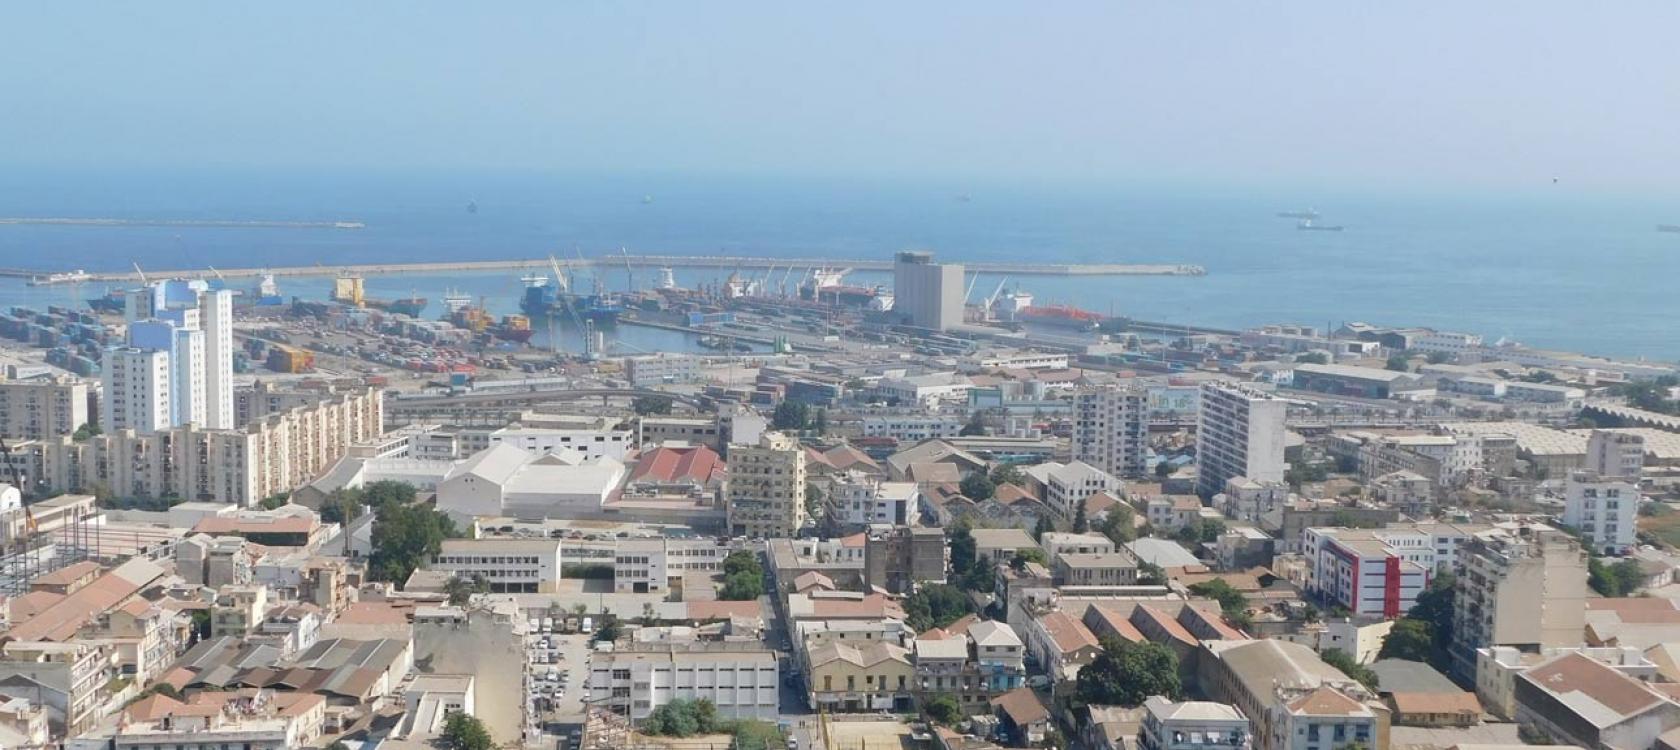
pixel 1672 228
pixel 1308 214
pixel 472 207
pixel 1309 225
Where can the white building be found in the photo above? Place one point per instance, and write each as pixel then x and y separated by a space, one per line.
pixel 911 428
pixel 1111 429
pixel 1605 511
pixel 136 390
pixel 1066 486
pixel 192 326
pixel 1380 572
pixel 591 442
pixel 522 566
pixel 662 368
pixel 506 481
pixel 1192 725
pixel 640 566
pixel 1239 433
pixel 1602 500
pixel 858 499
pixel 741 679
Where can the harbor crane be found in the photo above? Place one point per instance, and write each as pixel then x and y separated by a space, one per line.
pixel 140 273
pixel 992 300
pixel 629 273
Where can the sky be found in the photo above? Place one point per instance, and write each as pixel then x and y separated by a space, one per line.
pixel 1481 93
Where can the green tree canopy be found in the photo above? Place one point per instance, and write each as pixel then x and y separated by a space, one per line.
pixel 1117 525
pixel 1026 555
pixel 977 487
pixel 1339 659
pixel 1621 578
pixel 1007 473
pixel 465 732
pixel 743 577
pixel 1044 526
pixel 646 405
pixel 406 537
pixel 935 606
pixel 790 415
pixel 1125 674
pixel 1409 639
pixel 943 709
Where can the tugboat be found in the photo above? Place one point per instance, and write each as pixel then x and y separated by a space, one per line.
pixel 1308 224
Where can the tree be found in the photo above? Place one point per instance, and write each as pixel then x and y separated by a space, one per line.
pixel 1312 358
pixel 1619 579
pixel 406 537
pixel 460 590
pixel 743 577
pixel 1028 555
pixel 935 606
pixel 1150 574
pixel 274 501
pixel 1409 639
pixel 976 425
pixel 977 487
pixel 86 430
pixel 819 423
pixel 1008 474
pixel 342 506
pixel 1042 527
pixel 1436 358
pixel 1400 363
pixel 646 405
pixel 1118 526
pixel 1126 674
pixel 462 731
pixel 1435 606
pixel 1231 601
pixel 1080 523
pixel 943 709
pixel 608 631
pixel 387 492
pixel 790 415
pixel 1339 659
pixel 683 718
pixel 1163 469
pixel 960 539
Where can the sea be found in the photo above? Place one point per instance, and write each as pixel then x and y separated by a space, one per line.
pixel 1544 265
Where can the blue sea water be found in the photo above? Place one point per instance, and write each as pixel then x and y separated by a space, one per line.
pixel 1547 266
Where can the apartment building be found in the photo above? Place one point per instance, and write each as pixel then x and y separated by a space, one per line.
pixel 191 325
pixel 1111 429
pixel 136 393
pixel 664 367
pixel 640 566
pixel 897 558
pixel 740 678
pixel 42 408
pixel 1294 700
pixel 1239 433
pixel 1064 487
pixel 1521 585
pixel 1602 499
pixel 1192 725
pixel 858 499
pixel 241 466
pixel 766 488
pixel 1381 572
pixel 849 677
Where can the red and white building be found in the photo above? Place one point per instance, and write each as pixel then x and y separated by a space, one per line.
pixel 1380 572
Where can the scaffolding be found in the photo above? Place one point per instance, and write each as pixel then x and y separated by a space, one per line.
pixel 27 552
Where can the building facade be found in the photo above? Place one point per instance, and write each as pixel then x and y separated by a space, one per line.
pixel 1111 429
pixel 42 408
pixel 766 488
pixel 1239 433
pixel 1520 586
pixel 927 294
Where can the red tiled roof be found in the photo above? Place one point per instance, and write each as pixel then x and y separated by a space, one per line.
pixel 1022 706
pixel 1574 673
pixel 1070 635
pixel 1326 702
pixel 215 525
pixel 1437 703
pixel 1172 627
pixel 719 610
pixel 371 613
pixel 669 464
pixel 1109 622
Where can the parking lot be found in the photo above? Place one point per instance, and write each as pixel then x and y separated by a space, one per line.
pixel 556 667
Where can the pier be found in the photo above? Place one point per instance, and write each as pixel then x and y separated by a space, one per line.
pixel 181 223
pixel 609 262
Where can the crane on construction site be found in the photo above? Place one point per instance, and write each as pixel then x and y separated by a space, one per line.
pixel 992 300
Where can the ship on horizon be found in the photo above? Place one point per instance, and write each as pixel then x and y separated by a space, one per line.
pixel 1310 225
pixel 1307 215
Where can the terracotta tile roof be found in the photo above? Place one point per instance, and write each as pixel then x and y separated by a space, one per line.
pixel 153 707
pixel 1070 635
pixel 32 603
pixel 812 579
pixel 1437 703
pixel 1145 616
pixel 669 464
pixel 1009 494
pixel 954 630
pixel 846 456
pixel 1645 610
pixel 1022 706
pixel 1107 622
pixel 1099 503
pixel 1592 682
pixel 871 606
pixel 66 575
pixel 1327 702
pixel 61 620
pixel 856 540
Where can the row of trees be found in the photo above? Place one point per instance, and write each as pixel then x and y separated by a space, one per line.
pixel 797 416
pixel 687 718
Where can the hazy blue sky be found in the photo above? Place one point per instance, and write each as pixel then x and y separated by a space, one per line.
pixel 1484 92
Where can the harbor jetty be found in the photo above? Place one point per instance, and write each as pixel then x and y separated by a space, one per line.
pixel 744 263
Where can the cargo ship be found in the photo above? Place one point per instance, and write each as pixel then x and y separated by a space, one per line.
pixel 349 290
pixel 411 306
pixel 1061 316
pixel 1310 225
pixel 515 328
pixel 114 302
pixel 545 300
pixel 828 285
